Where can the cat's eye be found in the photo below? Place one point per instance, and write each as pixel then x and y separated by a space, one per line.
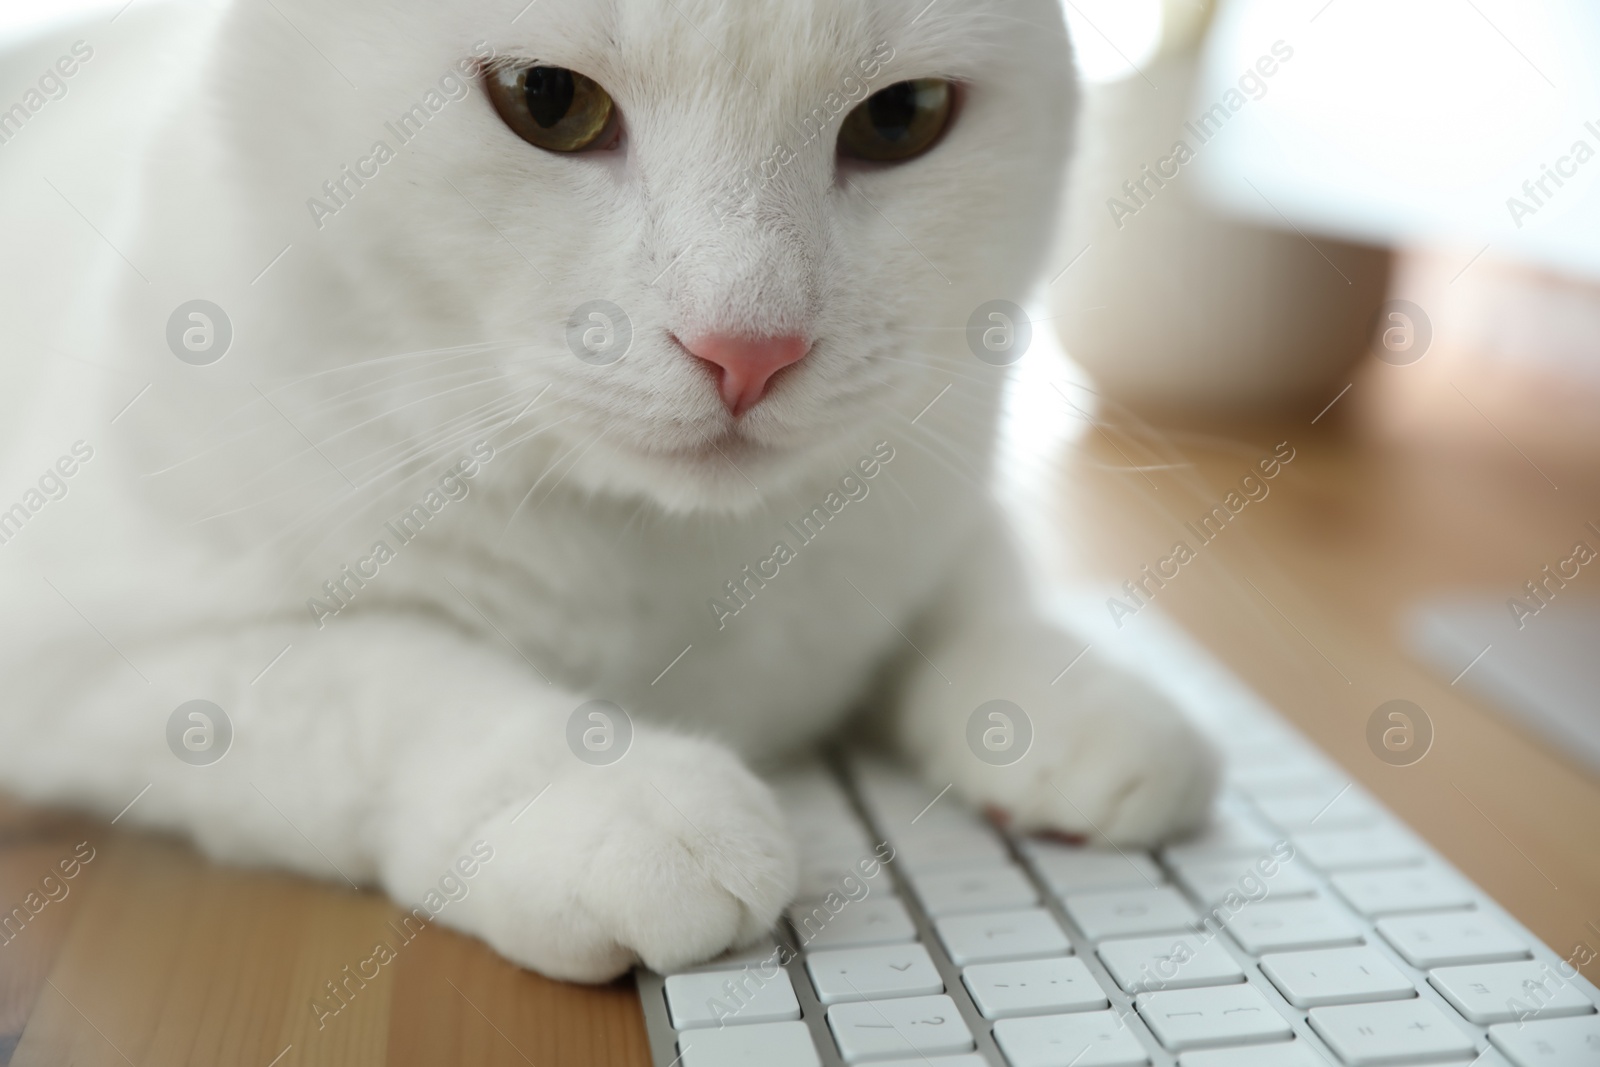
pixel 552 107
pixel 898 122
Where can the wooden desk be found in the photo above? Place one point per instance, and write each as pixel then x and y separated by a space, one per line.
pixel 159 958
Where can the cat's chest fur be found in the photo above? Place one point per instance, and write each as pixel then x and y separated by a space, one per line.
pixel 763 628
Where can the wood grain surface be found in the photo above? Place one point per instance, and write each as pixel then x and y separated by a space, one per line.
pixel 157 957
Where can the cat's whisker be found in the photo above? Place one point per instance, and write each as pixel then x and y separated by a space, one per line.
pixel 300 416
pixel 531 434
pixel 231 419
pixel 420 474
pixel 921 438
pixel 576 452
pixel 424 443
pixel 395 383
pixel 953 368
pixel 634 515
pixel 947 403
pixel 1113 417
pixel 1181 474
pixel 910 501
pixel 341 501
pixel 439 438
pixel 494 364
pixel 429 398
pixel 503 402
pixel 446 353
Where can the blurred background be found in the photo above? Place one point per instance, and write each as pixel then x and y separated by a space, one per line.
pixel 1393 152
pixel 1374 227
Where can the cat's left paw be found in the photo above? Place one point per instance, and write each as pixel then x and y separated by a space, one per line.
pixel 1115 762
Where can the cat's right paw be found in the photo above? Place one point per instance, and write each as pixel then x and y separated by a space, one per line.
pixel 668 857
pixel 1115 761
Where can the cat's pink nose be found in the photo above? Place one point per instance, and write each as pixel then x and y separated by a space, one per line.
pixel 744 365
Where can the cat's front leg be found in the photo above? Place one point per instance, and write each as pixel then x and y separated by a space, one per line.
pixel 1109 757
pixel 668 856
pixel 614 841
pixel 396 752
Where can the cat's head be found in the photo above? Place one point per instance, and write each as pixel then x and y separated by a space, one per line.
pixel 731 236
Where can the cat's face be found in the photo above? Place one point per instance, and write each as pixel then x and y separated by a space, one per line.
pixel 716 202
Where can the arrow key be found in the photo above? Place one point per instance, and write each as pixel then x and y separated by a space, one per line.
pixel 868 973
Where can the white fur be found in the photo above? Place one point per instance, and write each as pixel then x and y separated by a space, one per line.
pixel 383 345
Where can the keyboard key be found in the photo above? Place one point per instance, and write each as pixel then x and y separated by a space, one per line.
pixel 893 795
pixel 1288 925
pixel 1002 935
pixel 811 779
pixel 946 821
pixel 820 816
pixel 1229 834
pixel 1336 976
pixel 1341 810
pixel 1213 1016
pixel 927 827
pixel 807 811
pixel 872 921
pixel 1206 1018
pixel 824 875
pixel 735 959
pixel 769 1044
pixel 1066 869
pixel 1175 961
pixel 1211 882
pixel 1452 937
pixel 1377 893
pixel 1397 1031
pixel 906 808
pixel 1127 912
pixel 832 826
pixel 711 998
pixel 1504 992
pixel 832 847
pixel 864 973
pixel 1289 1054
pixel 1033 987
pixel 914 1028
pixel 824 823
pixel 1086 1039
pixel 822 808
pixel 1281 780
pixel 953 847
pixel 1549 1042
pixel 970 1059
pixel 1353 850
pixel 985 889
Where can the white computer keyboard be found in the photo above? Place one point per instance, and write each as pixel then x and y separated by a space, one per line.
pixel 1306 927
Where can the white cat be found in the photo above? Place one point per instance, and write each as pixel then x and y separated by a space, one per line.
pixel 628 371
